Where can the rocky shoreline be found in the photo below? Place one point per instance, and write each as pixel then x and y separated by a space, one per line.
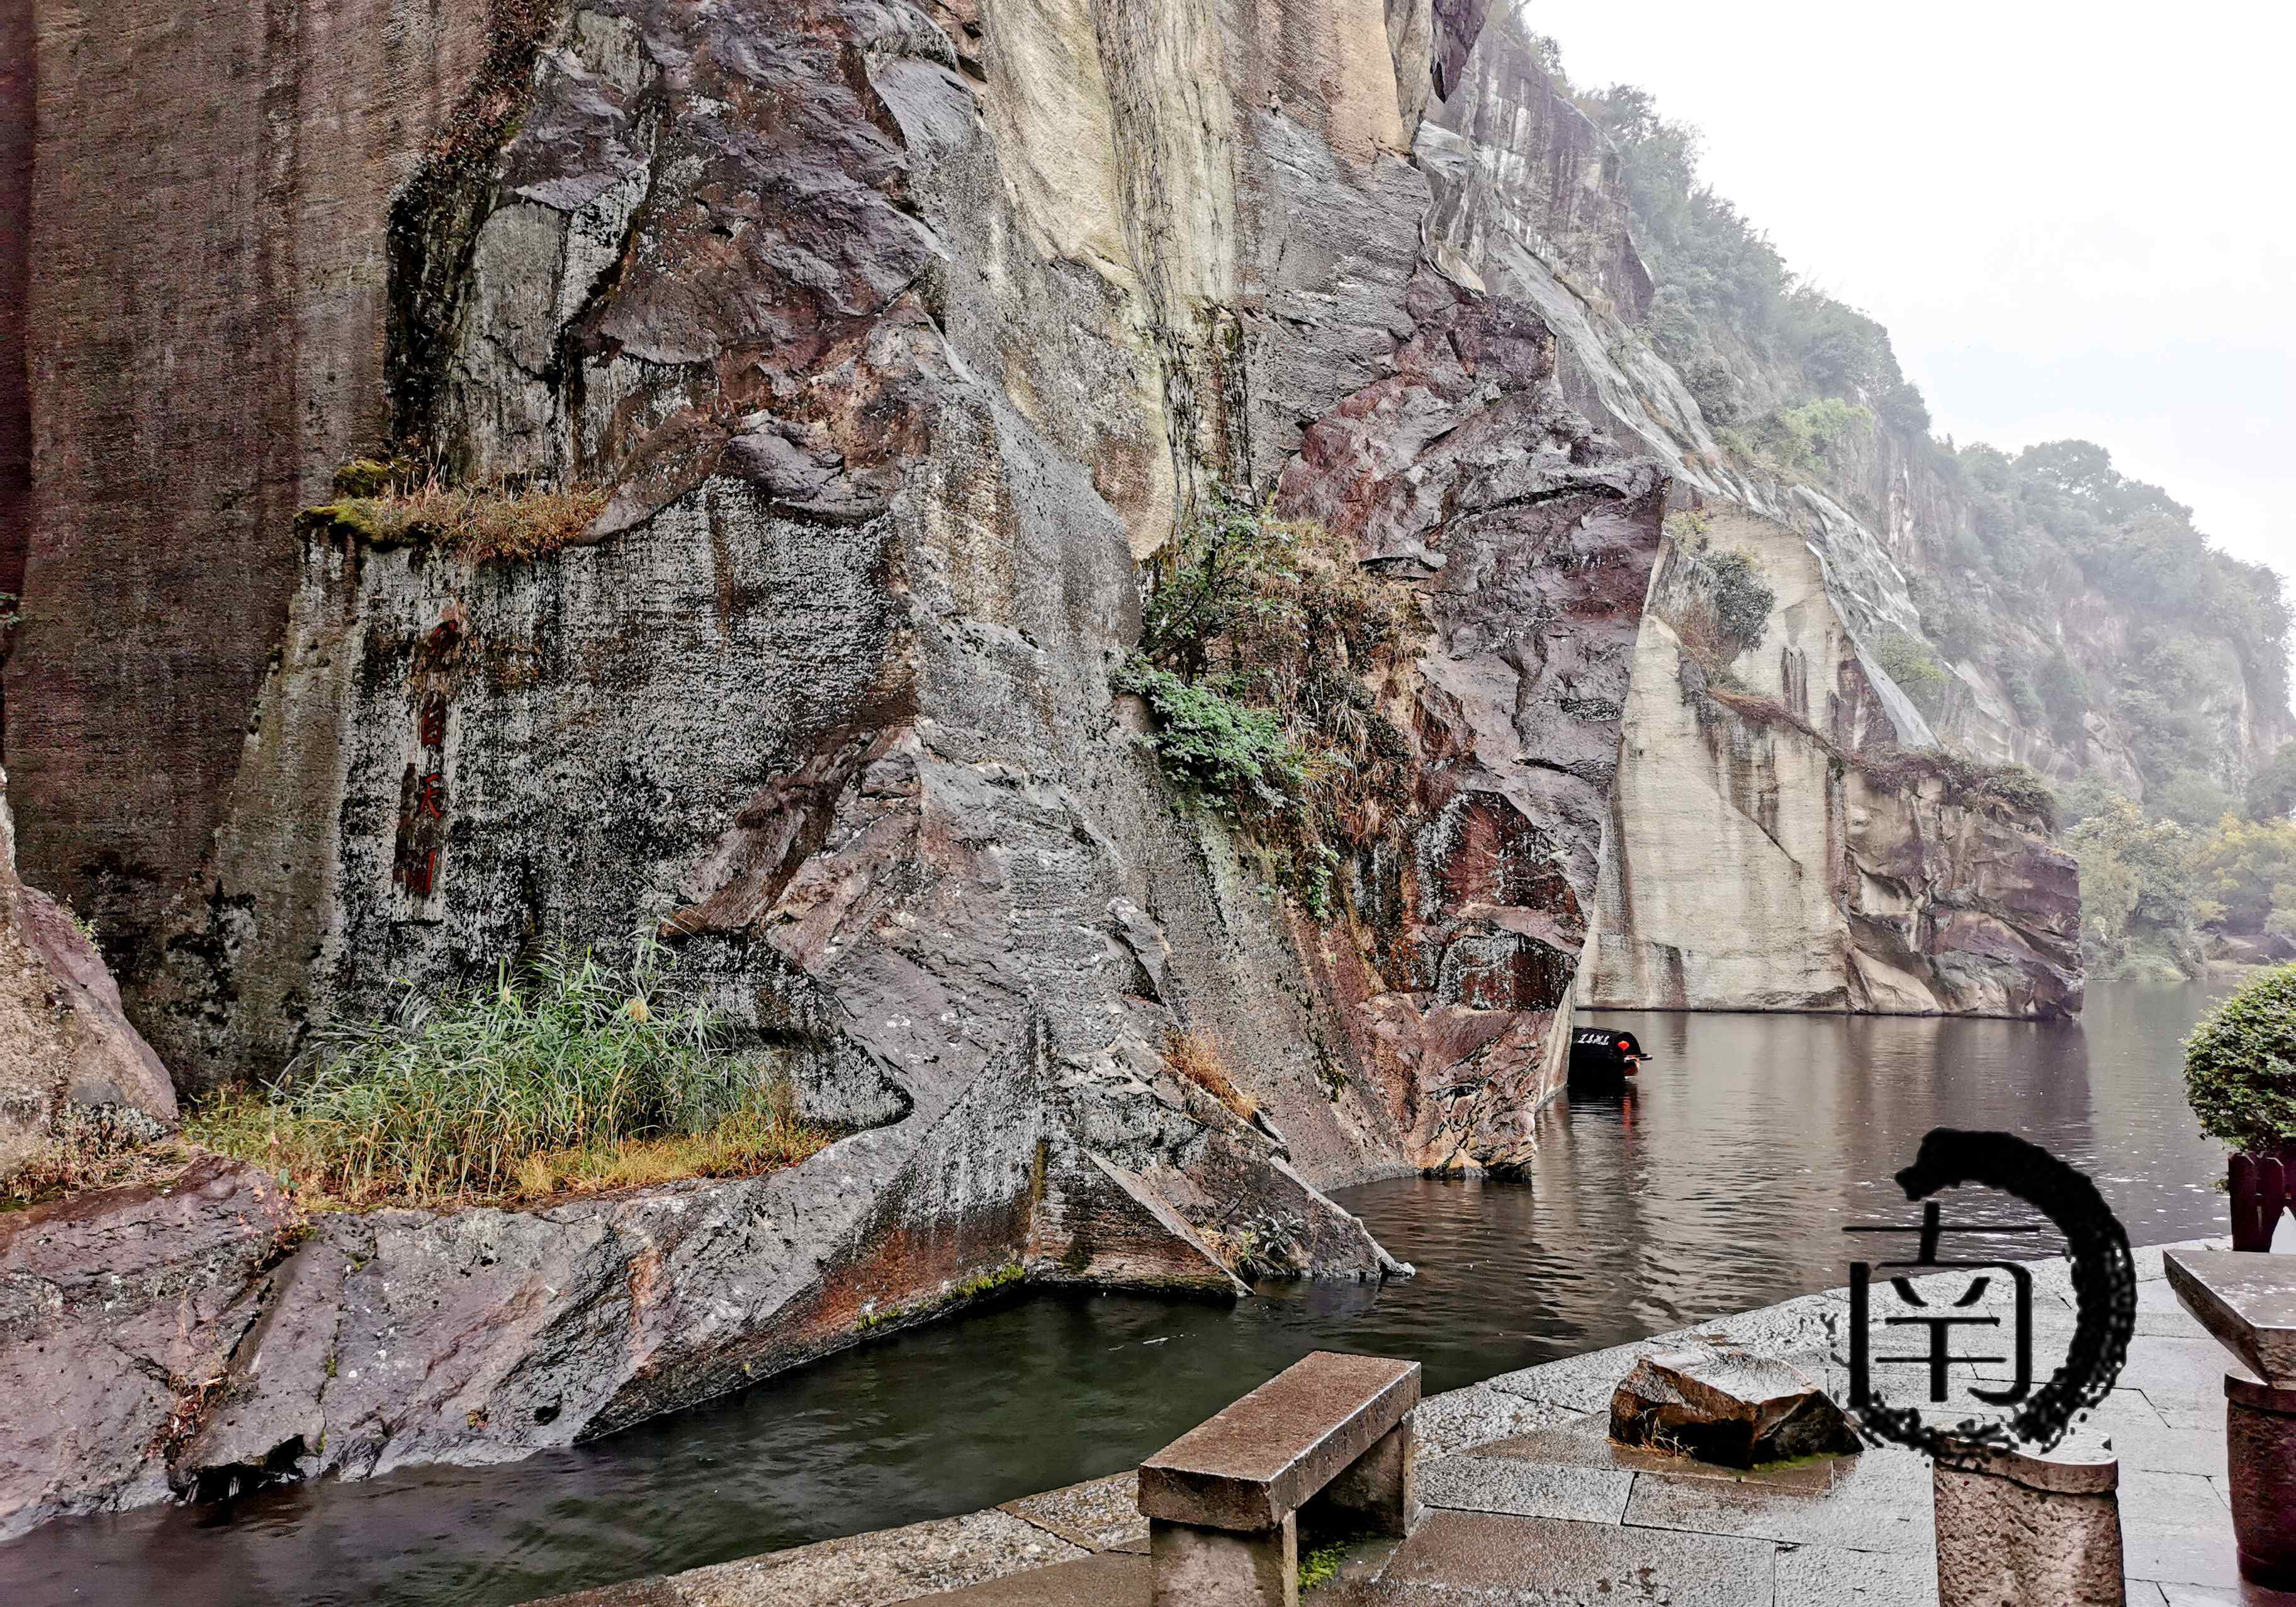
pixel 191 1338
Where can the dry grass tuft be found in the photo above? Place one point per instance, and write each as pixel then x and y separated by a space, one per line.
pixel 1199 1057
pixel 483 524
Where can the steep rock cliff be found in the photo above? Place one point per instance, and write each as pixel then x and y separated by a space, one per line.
pixel 1774 846
pixel 895 338
pixel 1747 865
pixel 205 303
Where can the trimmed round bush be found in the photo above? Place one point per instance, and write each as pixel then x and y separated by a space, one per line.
pixel 2240 1066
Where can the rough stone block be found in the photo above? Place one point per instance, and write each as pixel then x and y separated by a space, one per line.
pixel 1379 1490
pixel 2247 1301
pixel 1194 1567
pixel 2017 1531
pixel 1724 1405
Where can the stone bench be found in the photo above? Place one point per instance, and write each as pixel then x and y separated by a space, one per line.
pixel 2247 1300
pixel 1332 1434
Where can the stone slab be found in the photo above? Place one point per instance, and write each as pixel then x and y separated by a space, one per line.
pixel 1845 1516
pixel 1250 1466
pixel 1585 1443
pixel 2243 1596
pixel 1831 1576
pixel 2247 1300
pixel 1100 1515
pixel 1550 1560
pixel 1528 1489
pixel 1115 1578
pixel 656 1592
pixel 2172 1555
pixel 890 1565
pixel 1461 1419
pixel 2177 1372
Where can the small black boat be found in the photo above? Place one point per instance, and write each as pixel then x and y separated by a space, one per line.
pixel 1602 1056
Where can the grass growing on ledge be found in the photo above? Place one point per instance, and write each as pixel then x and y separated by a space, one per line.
pixel 481 523
pixel 569 1077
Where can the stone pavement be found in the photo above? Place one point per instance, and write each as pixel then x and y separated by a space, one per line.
pixel 1529 1503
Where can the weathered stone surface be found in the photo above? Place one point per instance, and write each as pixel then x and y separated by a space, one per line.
pixel 207 305
pixel 897 336
pixel 2246 1300
pixel 894 1565
pixel 1262 1459
pixel 119 1312
pixel 1100 1515
pixel 1725 1405
pixel 67 1052
pixel 2014 1530
pixel 1224 1567
pixel 2260 1478
pixel 1754 863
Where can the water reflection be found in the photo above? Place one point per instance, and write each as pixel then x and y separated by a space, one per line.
pixel 1721 1182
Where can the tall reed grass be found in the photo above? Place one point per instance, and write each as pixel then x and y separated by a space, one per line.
pixel 568 1073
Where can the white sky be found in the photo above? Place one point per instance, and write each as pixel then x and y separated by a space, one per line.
pixel 2075 220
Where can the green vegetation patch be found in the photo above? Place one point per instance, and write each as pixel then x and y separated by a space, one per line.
pixel 566 1075
pixel 1262 643
pixel 974 1288
pixel 2137 915
pixel 1920 677
pixel 1717 599
pixel 2240 1066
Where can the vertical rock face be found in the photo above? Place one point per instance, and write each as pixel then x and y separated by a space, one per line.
pixel 1772 849
pixel 897 341
pixel 206 337
pixel 16 98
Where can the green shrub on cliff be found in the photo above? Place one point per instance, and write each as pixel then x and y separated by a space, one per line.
pixel 1261 641
pixel 1236 757
pixel 1918 674
pixel 2240 1065
pixel 567 1074
pixel 1720 603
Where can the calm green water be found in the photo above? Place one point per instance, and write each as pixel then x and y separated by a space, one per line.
pixel 1722 1182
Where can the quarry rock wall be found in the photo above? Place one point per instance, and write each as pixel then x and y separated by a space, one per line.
pixel 1774 846
pixel 892 339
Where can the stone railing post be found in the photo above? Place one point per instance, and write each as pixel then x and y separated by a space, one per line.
pixel 2020 1530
